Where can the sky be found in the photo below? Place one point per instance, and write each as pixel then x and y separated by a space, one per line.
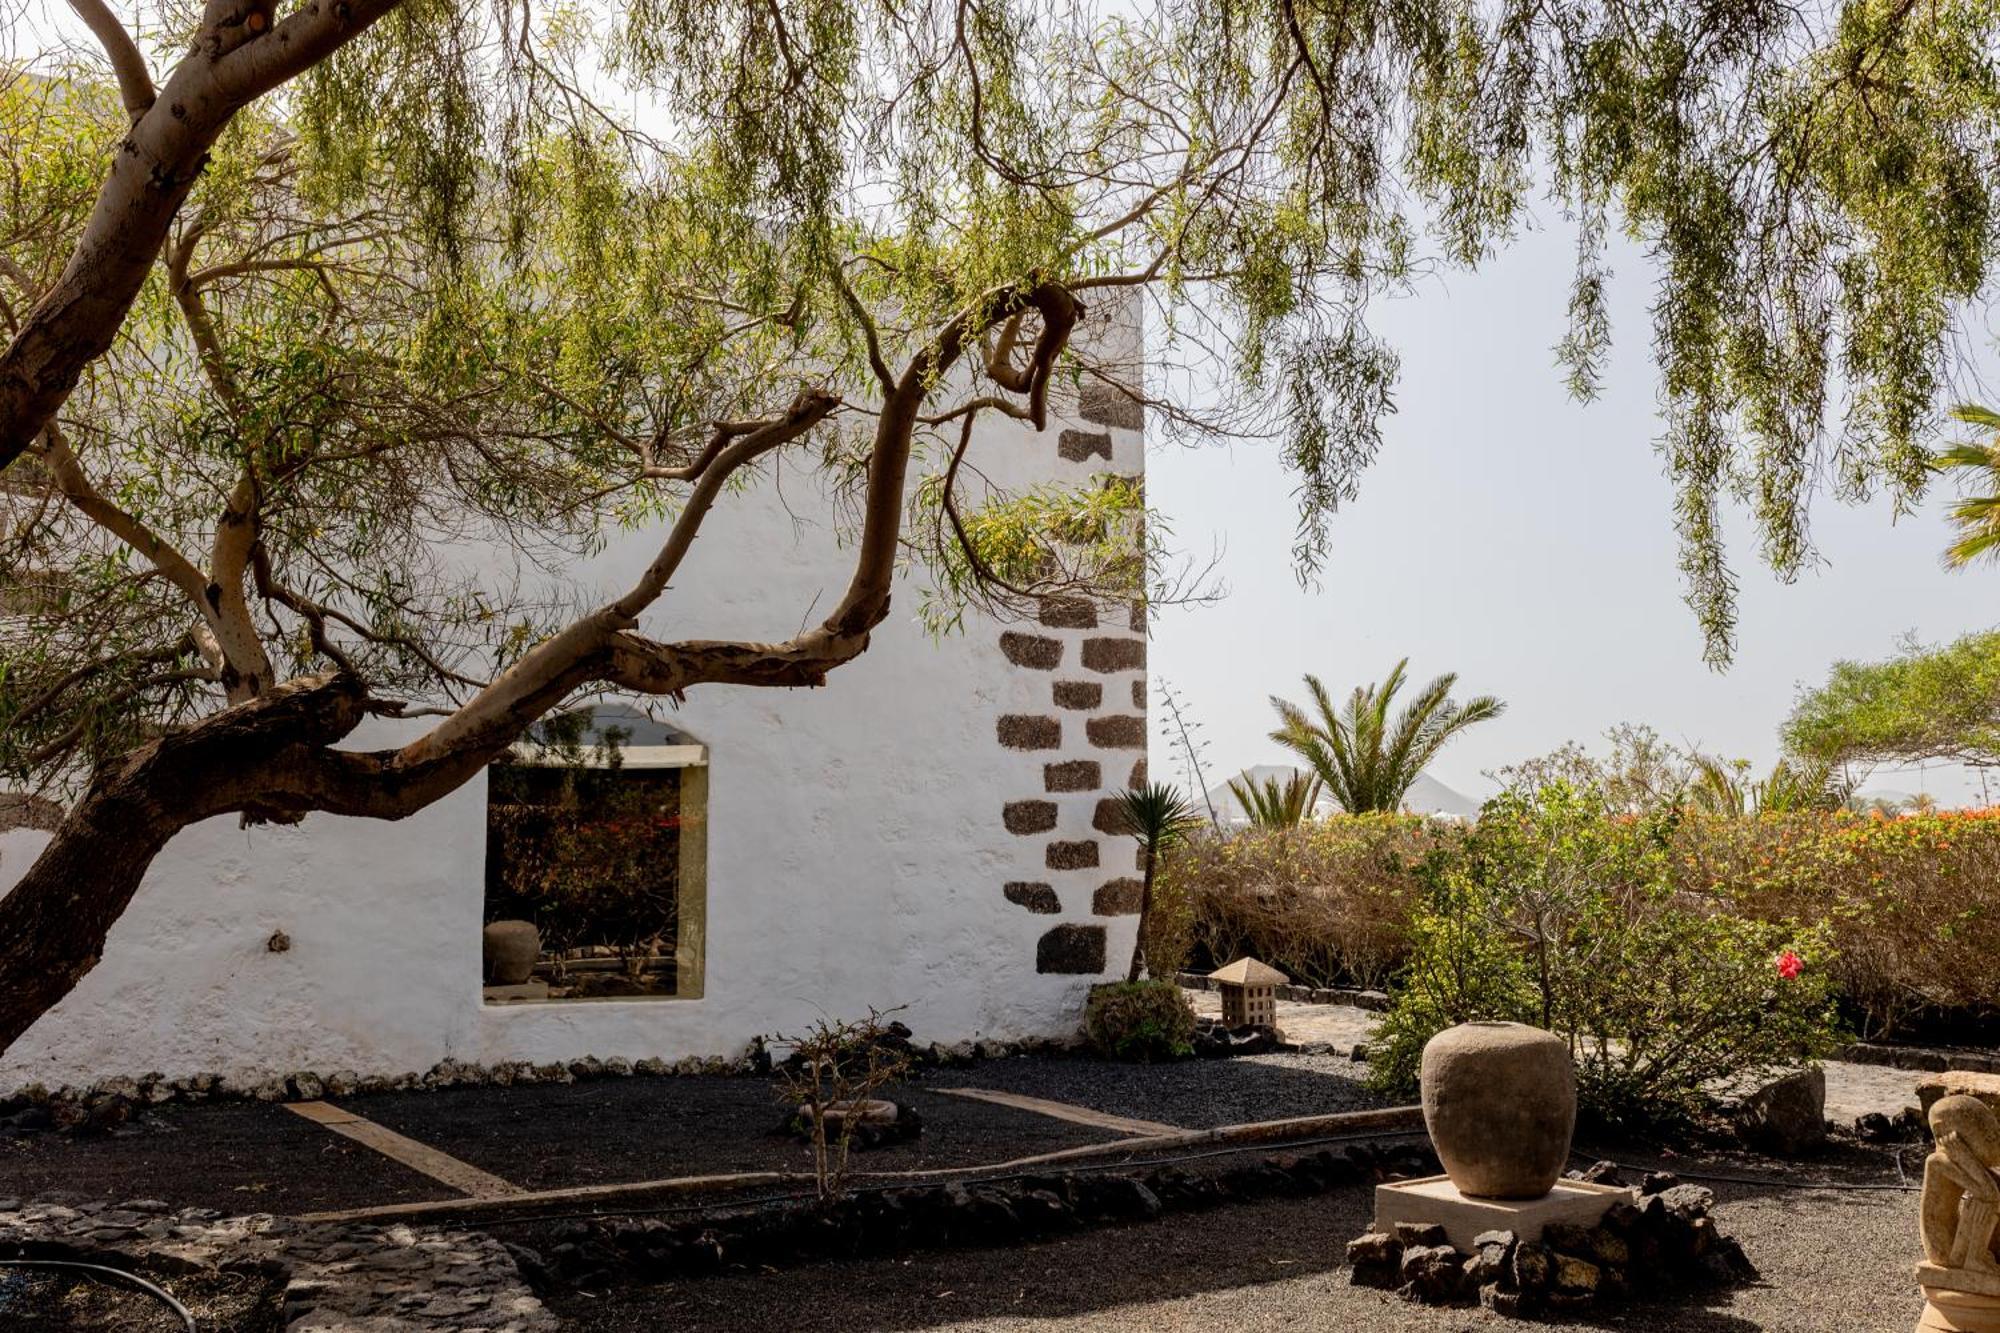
pixel 1526 541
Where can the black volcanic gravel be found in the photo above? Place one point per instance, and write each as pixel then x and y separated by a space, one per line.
pixel 614 1130
pixel 1192 1094
pixel 240 1157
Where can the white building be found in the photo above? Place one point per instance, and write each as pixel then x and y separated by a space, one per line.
pixel 927 831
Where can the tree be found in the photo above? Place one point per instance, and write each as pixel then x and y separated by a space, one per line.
pixel 1275 804
pixel 1925 702
pixel 1794 785
pixel 1158 816
pixel 1365 762
pixel 1641 775
pixel 355 277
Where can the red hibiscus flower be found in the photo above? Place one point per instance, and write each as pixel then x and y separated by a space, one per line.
pixel 1790 965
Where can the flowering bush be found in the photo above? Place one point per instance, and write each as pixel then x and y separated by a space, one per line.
pixel 1911 905
pixel 1563 913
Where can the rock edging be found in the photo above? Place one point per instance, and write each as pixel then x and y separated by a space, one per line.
pixel 1664 1241
pixel 335 1278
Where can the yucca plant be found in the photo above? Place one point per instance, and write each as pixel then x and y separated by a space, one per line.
pixel 1366 761
pixel 1976 516
pixel 1275 804
pixel 1158 815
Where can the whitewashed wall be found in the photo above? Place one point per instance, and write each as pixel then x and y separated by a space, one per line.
pixel 857 855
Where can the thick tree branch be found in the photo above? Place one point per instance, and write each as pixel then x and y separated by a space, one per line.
pixel 135 83
pixel 151 172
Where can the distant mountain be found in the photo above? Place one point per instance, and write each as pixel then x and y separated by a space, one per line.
pixel 1427 796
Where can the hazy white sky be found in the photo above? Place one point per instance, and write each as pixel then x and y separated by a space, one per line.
pixel 1526 542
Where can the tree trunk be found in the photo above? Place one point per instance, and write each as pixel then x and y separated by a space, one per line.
pixel 1145 914
pixel 54 922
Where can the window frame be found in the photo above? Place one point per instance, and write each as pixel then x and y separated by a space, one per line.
pixel 691 903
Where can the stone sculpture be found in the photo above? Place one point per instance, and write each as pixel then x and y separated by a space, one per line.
pixel 1960 1274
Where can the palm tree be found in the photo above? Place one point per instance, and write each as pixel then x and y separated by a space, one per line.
pixel 1794 786
pixel 1976 516
pixel 1272 804
pixel 1367 762
pixel 1158 816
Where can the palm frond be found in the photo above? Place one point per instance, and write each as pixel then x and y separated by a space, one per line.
pixel 1275 804
pixel 1365 757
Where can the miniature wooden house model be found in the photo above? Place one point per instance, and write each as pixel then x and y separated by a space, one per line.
pixel 1249 993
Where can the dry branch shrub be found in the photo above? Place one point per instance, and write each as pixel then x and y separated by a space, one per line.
pixel 1914 903
pixel 1328 901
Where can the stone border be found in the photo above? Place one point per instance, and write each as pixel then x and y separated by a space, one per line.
pixel 335 1276
pixel 109 1102
pixel 955 1215
pixel 1918 1059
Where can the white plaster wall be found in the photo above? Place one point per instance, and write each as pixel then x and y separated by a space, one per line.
pixel 856 858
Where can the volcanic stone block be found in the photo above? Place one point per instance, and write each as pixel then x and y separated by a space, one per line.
pixel 1072 775
pixel 1035 897
pixel 1117 733
pixel 1034 651
pixel 1079 693
pixel 1109 817
pixel 1120 897
pixel 1139 694
pixel 1069 613
pixel 1075 446
pixel 1138 617
pixel 1029 816
pixel 1071 950
pixel 1138 778
pixel 1108 405
pixel 1114 654
pixel 1020 732
pixel 1072 855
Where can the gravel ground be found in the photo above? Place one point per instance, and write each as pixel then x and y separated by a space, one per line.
pixel 1195 1094
pixel 1832 1263
pixel 615 1130
pixel 240 1157
pixel 48 1301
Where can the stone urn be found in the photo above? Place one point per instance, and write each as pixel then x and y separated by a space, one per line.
pixel 509 950
pixel 1500 1104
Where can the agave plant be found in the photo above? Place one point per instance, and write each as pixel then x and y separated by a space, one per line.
pixel 1366 760
pixel 1274 804
pixel 1976 516
pixel 1159 816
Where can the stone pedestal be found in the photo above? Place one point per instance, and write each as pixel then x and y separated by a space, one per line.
pixel 1959 1312
pixel 1436 1199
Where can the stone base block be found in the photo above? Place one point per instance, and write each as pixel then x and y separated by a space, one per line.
pixel 1959 1312
pixel 1436 1199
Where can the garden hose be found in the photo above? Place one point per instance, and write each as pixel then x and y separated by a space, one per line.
pixel 100 1271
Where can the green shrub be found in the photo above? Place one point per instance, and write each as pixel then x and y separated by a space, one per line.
pixel 1139 1020
pixel 1563 914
